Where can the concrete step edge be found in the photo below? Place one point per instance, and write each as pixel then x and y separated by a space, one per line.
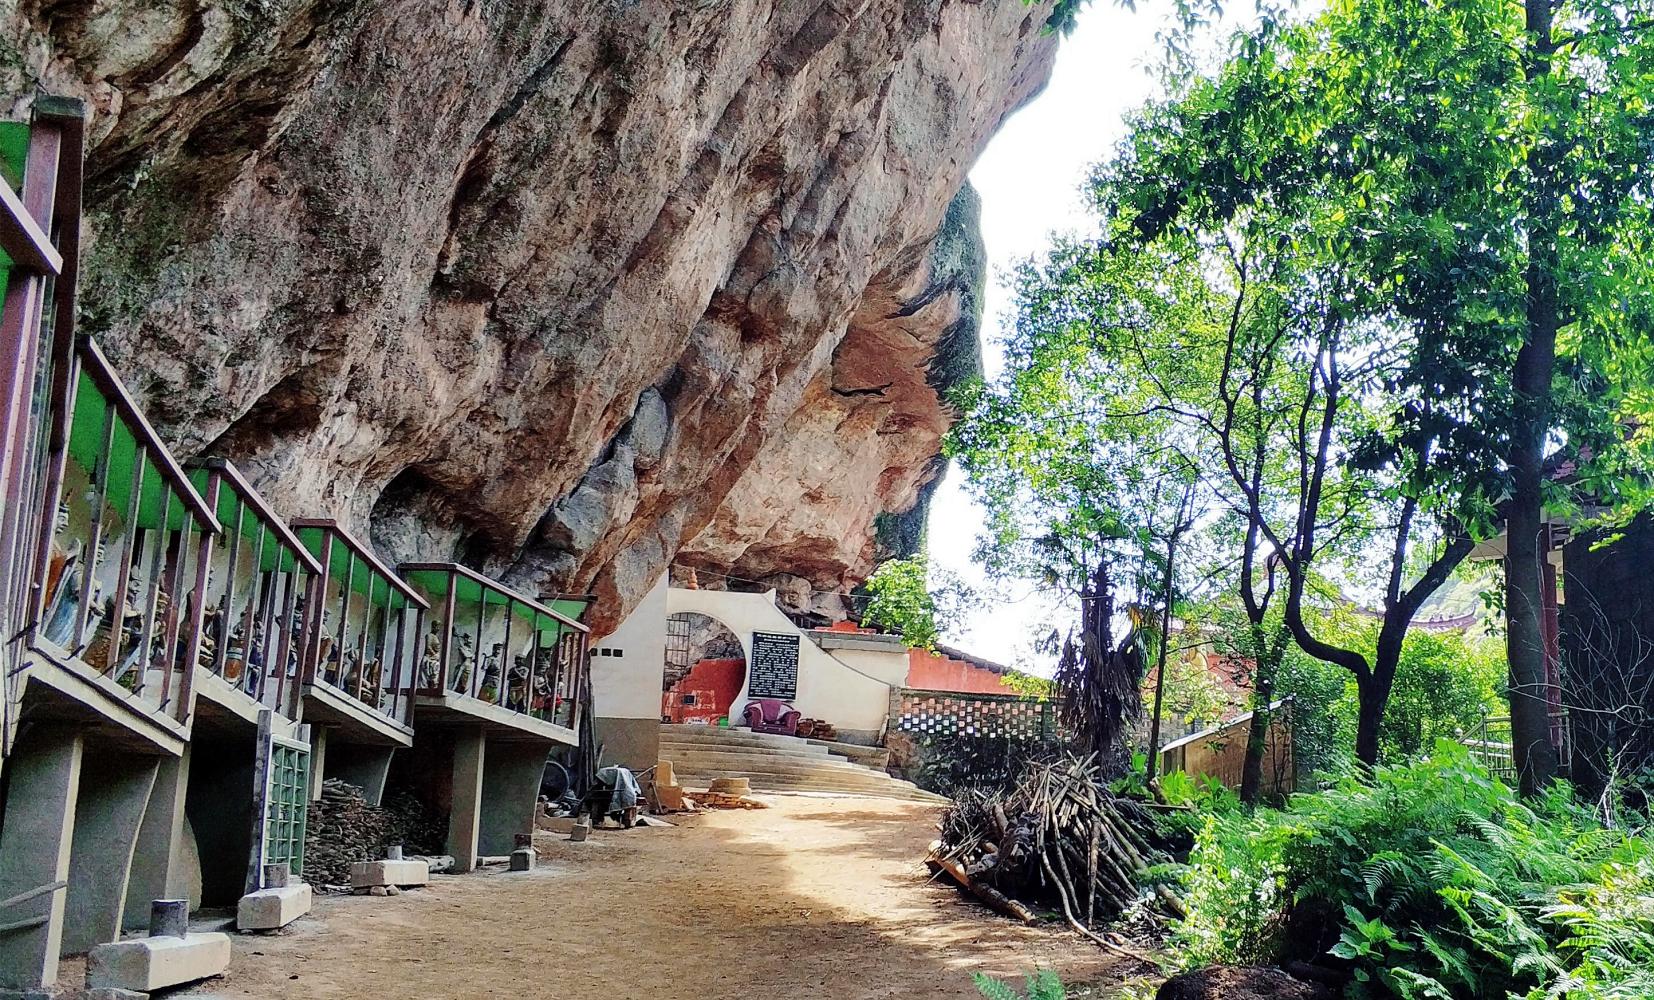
pixel 716 745
pixel 710 756
pixel 691 778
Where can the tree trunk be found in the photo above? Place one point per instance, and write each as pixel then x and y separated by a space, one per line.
pixel 1160 666
pixel 1535 757
pixel 1373 688
pixel 1268 657
pixel 1530 723
pixel 1372 698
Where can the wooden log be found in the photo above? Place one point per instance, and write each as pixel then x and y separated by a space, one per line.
pixel 987 893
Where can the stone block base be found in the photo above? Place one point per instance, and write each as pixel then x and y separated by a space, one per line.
pixel 522 860
pixel 272 909
pixel 366 874
pixel 148 964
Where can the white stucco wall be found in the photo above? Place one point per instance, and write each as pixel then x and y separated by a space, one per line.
pixel 852 699
pixel 888 666
pixel 628 686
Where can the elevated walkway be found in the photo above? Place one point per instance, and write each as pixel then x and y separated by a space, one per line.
pixel 782 763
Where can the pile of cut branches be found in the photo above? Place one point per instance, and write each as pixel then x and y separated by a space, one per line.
pixel 1058 840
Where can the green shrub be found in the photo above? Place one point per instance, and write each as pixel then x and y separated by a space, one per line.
pixel 1433 881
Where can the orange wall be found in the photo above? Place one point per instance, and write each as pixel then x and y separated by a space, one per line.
pixel 928 671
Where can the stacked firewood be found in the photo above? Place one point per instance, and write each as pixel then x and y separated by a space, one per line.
pixel 342 828
pixel 1058 840
pixel 421 830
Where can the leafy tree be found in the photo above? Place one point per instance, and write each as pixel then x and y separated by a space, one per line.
pixel 1478 172
pixel 1446 683
pixel 1223 357
pixel 904 600
pixel 1188 691
pixel 1386 267
pixel 901 601
pixel 1094 517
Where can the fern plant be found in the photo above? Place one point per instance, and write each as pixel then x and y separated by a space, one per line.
pixel 1449 888
pixel 1042 985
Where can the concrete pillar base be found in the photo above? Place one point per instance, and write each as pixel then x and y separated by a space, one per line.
pixel 272 909
pixel 149 964
pixel 465 816
pixel 160 864
pixel 115 791
pixel 510 792
pixel 43 785
pixel 522 859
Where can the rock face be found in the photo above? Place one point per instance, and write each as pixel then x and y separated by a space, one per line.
pixel 561 291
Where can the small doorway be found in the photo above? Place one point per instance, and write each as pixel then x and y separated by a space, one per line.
pixel 706 667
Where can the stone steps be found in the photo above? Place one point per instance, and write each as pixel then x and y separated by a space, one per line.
pixel 892 789
pixel 738 737
pixel 866 755
pixel 794 787
pixel 714 760
pixel 812 754
pixel 774 763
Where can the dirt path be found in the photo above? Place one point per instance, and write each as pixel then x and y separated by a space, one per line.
pixel 814 897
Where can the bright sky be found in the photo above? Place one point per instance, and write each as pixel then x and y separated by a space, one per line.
pixel 1030 180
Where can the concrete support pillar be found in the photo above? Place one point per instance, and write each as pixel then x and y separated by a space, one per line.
pixel 318 760
pixel 160 858
pixel 363 765
pixel 35 841
pixel 510 789
pixel 465 816
pixel 114 794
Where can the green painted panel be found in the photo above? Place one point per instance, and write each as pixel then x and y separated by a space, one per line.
pixel 14 152
pixel 364 579
pixel 286 805
pixel 14 156
pixel 253 525
pixel 86 439
pixel 434 584
pixel 569 609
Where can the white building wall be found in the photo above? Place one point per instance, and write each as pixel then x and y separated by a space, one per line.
pixel 855 700
pixel 889 667
pixel 628 665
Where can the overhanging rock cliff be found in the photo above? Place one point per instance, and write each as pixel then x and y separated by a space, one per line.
pixel 559 290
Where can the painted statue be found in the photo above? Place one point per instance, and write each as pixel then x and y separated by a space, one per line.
pixel 430 663
pixel 489 686
pixel 461 661
pixel 516 688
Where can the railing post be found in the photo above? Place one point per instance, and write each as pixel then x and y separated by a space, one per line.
pixel 226 612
